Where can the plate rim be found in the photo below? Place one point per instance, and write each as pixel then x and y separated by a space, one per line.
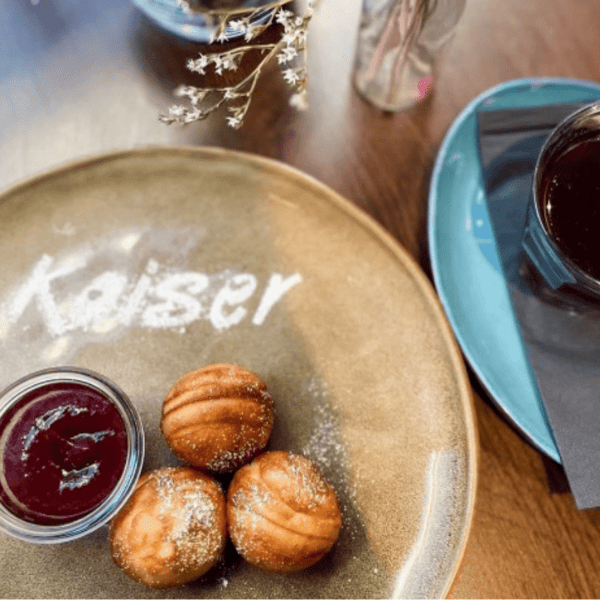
pixel 389 243
pixel 433 201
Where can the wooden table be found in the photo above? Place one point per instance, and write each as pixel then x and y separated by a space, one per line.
pixel 82 77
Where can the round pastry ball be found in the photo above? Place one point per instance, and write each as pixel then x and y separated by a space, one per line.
pixel 218 418
pixel 173 528
pixel 281 513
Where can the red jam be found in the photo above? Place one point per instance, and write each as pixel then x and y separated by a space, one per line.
pixel 64 449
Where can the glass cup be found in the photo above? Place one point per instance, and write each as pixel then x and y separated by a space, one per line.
pixel 562 229
pixel 398 41
pixel 41 387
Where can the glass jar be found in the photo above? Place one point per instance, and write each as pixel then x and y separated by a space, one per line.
pixel 71 453
pixel 396 48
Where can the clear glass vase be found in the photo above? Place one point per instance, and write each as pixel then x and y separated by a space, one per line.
pixel 396 48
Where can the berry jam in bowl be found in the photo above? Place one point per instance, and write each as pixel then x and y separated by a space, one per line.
pixel 71 452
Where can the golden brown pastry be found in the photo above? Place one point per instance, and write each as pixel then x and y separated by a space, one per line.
pixel 218 418
pixel 173 528
pixel 281 513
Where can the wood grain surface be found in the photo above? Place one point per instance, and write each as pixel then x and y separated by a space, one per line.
pixel 79 77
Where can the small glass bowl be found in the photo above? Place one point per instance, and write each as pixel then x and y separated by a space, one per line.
pixel 196 27
pixel 18 528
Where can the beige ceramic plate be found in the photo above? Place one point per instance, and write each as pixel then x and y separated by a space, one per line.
pixel 145 265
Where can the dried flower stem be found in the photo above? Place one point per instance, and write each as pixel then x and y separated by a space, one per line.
pixel 290 50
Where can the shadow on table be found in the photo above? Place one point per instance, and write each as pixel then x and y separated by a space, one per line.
pixel 556 478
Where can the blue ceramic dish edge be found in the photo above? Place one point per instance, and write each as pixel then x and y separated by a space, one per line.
pixel 516 347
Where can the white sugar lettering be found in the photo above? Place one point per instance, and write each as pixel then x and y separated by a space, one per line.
pixel 178 306
pixel 98 300
pixel 74 294
pixel 277 287
pixel 38 287
pixel 136 300
pixel 234 293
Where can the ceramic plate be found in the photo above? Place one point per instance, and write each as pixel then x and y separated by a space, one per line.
pixel 145 265
pixel 465 262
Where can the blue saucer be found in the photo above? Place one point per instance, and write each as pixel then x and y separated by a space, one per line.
pixel 465 263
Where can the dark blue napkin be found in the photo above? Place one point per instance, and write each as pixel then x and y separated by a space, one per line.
pixel 561 331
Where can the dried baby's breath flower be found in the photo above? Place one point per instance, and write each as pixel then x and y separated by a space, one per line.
pixel 291 76
pixel 287 54
pixel 234 122
pixel 299 100
pixel 290 51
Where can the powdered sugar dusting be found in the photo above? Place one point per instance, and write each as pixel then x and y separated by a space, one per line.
pixel 227 460
pixel 192 512
pixel 310 489
pixel 325 445
pixel 249 505
pixel 172 529
pixel 252 497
